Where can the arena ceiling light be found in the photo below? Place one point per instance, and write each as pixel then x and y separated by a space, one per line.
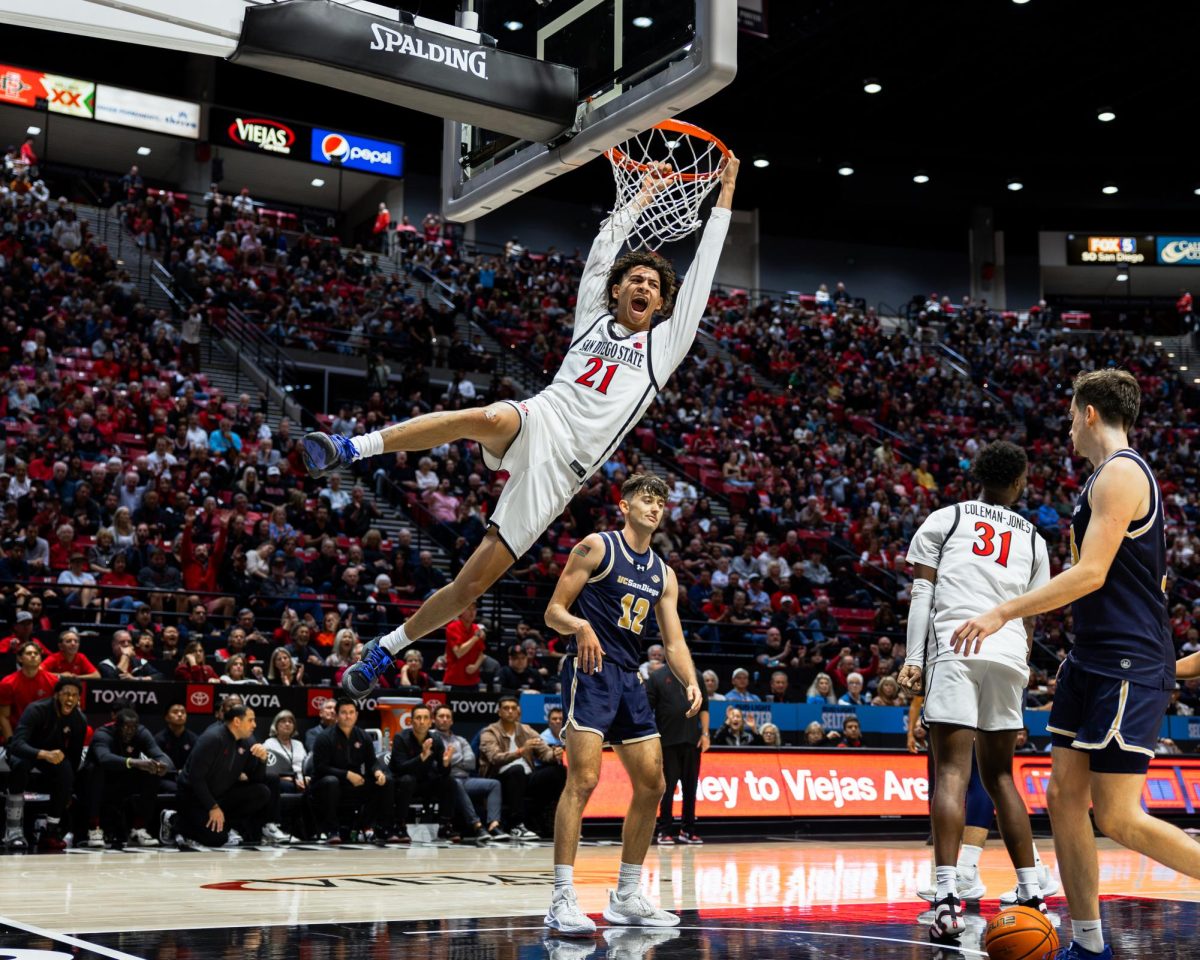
pixel 920 177
pixel 318 182
pixel 762 162
pixel 642 22
pixel 1020 3
pixel 1015 185
pixel 513 25
pixel 1109 189
pixel 143 151
pixel 34 131
pixel 1106 116
pixel 845 171
pixel 1122 276
pixel 1196 191
pixel 871 85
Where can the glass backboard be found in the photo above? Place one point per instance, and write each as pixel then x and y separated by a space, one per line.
pixel 638 61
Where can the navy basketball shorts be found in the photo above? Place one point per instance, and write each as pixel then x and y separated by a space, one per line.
pixel 612 703
pixel 1116 721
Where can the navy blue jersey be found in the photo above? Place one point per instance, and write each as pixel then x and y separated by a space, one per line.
pixel 618 601
pixel 1121 630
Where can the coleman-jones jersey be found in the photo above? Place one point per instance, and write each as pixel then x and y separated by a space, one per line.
pixel 618 601
pixel 1121 630
pixel 984 554
pixel 610 374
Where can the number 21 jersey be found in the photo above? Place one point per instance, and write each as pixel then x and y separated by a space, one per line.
pixel 984 554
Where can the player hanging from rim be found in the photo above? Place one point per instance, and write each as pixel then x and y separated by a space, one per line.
pixel 1115 685
pixel 550 444
pixel 619 588
pixel 978 553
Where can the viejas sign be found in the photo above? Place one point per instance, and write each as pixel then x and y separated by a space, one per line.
pixel 252 131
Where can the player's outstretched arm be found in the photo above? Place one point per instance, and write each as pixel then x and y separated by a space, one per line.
pixel 1188 668
pixel 1118 496
pixel 679 658
pixel 592 300
pixel 672 340
pixel 584 558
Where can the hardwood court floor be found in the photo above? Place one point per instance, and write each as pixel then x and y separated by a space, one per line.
pixel 772 898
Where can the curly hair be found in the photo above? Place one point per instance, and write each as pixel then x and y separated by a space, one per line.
pixel 668 282
pixel 998 465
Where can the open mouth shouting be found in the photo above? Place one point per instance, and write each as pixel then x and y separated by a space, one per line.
pixel 639 307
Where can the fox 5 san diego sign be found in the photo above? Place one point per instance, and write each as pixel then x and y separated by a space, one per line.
pixel 337 148
pixel 1108 250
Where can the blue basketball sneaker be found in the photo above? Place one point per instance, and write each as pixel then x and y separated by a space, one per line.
pixel 324 453
pixel 1074 951
pixel 361 678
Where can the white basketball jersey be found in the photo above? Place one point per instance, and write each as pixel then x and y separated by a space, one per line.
pixel 984 555
pixel 610 375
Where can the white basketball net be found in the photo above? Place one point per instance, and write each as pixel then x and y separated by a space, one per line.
pixel 673 212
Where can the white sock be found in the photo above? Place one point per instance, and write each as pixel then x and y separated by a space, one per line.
pixel 968 859
pixel 564 877
pixel 1027 883
pixel 369 444
pixel 1037 857
pixel 395 641
pixel 1087 934
pixel 629 878
pixel 945 881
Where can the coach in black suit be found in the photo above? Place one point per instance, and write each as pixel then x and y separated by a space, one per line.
pixel 684 738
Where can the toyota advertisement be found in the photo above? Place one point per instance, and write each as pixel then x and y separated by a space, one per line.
pixel 357 153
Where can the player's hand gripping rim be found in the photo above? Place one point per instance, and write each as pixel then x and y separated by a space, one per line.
pixel 694 700
pixel 589 656
pixel 968 638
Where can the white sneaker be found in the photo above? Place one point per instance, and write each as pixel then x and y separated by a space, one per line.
pixel 522 832
pixel 140 837
pixel 166 827
pixel 1046 880
pixel 275 834
pixel 565 916
pixel 632 943
pixel 948 920
pixel 568 949
pixel 95 838
pixel 636 911
pixel 234 839
pixel 967 889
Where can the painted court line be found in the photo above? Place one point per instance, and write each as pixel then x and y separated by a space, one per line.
pixel 792 932
pixel 68 939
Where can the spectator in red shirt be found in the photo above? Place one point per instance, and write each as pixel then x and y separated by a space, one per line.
pixel 464 650
pixel 193 668
pixel 200 569
pixel 22 633
pixel 68 661
pixel 29 682
pixel 383 220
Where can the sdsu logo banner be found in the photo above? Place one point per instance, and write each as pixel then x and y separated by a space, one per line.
pixel 65 95
pixel 357 153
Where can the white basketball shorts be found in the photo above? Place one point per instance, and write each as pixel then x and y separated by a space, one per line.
pixel 541 478
pixel 972 692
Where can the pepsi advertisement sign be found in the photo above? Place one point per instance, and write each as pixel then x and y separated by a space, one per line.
pixel 357 153
pixel 1179 251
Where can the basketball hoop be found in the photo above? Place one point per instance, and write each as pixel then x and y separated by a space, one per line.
pixel 696 159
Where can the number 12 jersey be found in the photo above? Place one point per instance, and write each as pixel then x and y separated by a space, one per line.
pixel 984 554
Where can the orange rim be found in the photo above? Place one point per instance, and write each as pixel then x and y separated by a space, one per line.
pixel 620 159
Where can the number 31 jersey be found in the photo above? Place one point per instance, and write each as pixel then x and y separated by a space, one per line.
pixel 984 554
pixel 618 601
